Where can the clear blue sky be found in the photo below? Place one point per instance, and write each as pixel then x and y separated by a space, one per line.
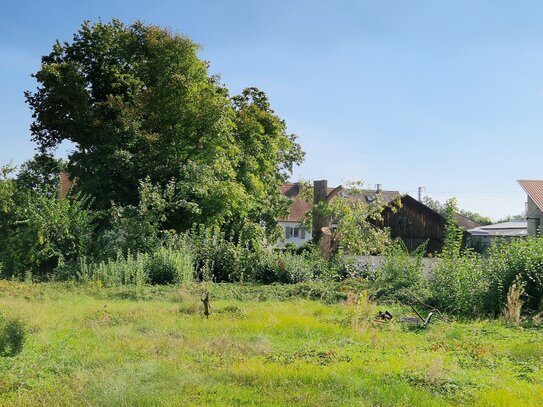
pixel 442 94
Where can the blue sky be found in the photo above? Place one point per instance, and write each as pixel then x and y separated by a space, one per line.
pixel 442 94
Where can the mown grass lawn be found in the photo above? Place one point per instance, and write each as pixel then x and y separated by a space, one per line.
pixel 106 347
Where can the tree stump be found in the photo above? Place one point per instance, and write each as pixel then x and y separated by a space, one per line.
pixel 205 300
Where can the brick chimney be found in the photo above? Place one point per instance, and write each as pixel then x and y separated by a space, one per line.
pixel 64 184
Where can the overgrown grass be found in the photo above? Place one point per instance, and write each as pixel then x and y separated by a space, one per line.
pixel 93 346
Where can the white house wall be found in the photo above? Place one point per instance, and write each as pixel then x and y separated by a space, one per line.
pixel 296 240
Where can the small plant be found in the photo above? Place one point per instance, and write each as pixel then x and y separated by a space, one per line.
pixel 514 304
pixel 12 335
pixel 364 312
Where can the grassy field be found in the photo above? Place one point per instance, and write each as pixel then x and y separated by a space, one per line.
pixel 147 347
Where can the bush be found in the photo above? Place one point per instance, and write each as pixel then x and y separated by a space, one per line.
pixel 292 268
pixel 459 284
pixel 169 266
pixel 399 269
pixel 215 258
pixel 518 262
pixel 12 335
pixel 259 267
pixel 47 231
pixel 222 260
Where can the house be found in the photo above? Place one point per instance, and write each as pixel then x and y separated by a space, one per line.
pixel 293 231
pixel 534 207
pixel 411 220
pixel 482 237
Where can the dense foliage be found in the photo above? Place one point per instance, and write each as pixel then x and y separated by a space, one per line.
pixel 136 103
pixel 442 209
pixel 354 230
pixel 399 270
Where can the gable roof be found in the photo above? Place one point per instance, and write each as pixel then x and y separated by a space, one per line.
pixel 466 223
pixel 534 189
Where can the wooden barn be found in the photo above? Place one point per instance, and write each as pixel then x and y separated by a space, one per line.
pixel 415 223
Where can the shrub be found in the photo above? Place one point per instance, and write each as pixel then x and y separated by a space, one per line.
pixel 259 266
pixel 48 230
pixel 215 258
pixel 169 266
pixel 12 335
pixel 292 268
pixel 222 260
pixel 459 284
pixel 399 269
pixel 519 261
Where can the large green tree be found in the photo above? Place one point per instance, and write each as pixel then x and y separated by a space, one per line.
pixel 135 102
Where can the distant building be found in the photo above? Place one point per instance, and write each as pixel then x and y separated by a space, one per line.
pixel 292 225
pixel 294 232
pixel 534 209
pixel 482 237
pixel 412 221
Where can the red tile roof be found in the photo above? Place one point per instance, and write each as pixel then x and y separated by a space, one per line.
pixel 534 189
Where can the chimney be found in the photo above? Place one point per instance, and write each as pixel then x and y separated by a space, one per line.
pixel 64 184
pixel 320 193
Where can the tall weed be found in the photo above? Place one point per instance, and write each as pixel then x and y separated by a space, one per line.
pixel 513 306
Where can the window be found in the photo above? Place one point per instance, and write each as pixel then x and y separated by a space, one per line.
pixel 294 232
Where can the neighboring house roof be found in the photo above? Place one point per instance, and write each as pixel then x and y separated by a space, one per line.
pixel 505 229
pixel 534 189
pixel 466 223
pixel 300 207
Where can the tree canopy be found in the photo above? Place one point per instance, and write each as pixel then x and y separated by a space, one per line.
pixel 442 209
pixel 137 103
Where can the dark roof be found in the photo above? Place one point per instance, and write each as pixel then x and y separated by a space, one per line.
pixel 466 223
